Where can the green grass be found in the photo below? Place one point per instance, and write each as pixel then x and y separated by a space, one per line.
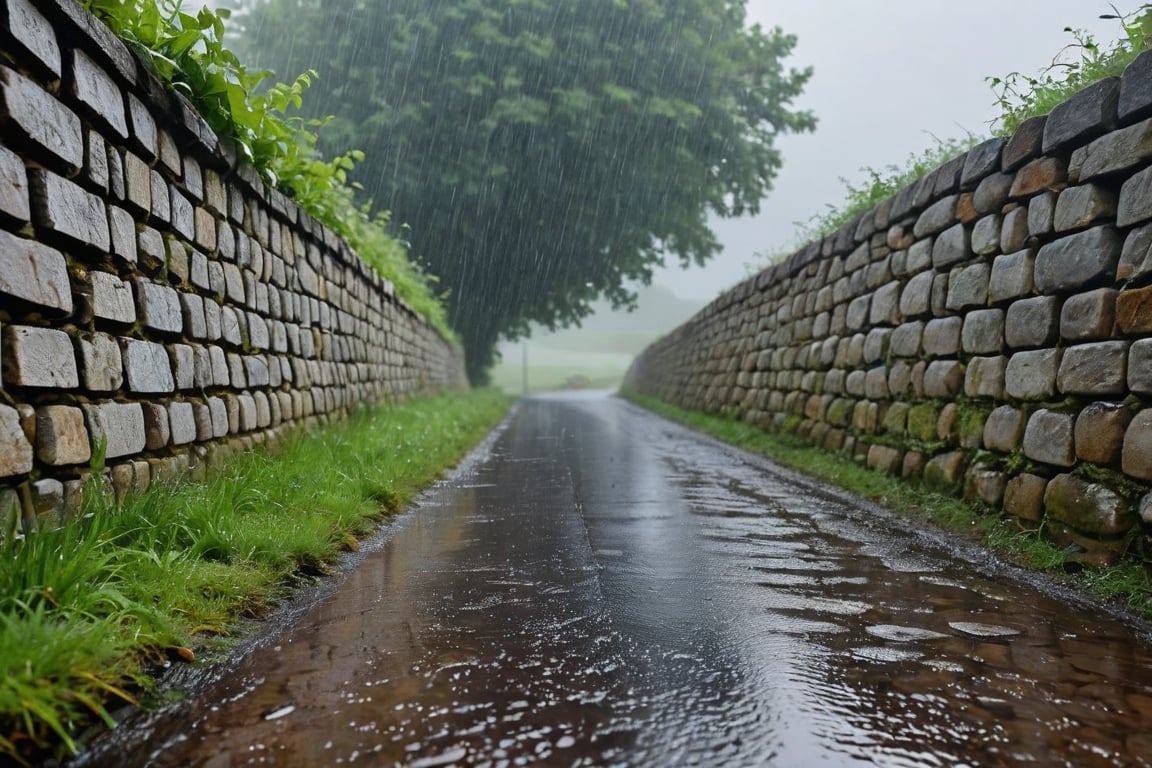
pixel 1125 584
pixel 86 608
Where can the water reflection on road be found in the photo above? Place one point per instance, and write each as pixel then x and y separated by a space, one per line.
pixel 603 588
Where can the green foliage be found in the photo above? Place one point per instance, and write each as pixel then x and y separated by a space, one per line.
pixel 187 52
pixel 1082 62
pixel 85 606
pixel 545 153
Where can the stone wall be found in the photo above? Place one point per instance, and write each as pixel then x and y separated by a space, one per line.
pixel 153 297
pixel 987 327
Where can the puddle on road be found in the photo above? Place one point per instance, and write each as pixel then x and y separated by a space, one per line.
pixel 605 590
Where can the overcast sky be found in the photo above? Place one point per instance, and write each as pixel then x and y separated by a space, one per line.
pixel 887 74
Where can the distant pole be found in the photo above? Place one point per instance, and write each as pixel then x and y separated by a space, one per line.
pixel 525 369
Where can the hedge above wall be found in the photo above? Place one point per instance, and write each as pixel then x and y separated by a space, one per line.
pixel 987 328
pixel 155 301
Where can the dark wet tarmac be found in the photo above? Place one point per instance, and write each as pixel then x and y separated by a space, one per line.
pixel 600 587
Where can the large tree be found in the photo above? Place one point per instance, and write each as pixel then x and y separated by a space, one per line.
pixel 541 153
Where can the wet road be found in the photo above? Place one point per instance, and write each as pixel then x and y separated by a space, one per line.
pixel 600 587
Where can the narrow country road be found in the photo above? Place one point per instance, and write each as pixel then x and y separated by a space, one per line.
pixel 597 586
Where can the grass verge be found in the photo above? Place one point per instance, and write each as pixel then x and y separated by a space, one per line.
pixel 86 610
pixel 1125 584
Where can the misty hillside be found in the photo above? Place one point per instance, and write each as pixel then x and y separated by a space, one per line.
pixel 599 351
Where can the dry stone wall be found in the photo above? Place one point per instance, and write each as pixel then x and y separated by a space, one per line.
pixel 987 328
pixel 153 298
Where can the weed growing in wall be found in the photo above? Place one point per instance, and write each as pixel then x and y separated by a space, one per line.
pixel 187 53
pixel 1082 62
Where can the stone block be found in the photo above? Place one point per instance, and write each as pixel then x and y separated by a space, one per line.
pixel 981 160
pixel 195 323
pixel 137 184
pixel 1134 311
pixel 1083 206
pixel 183 366
pixel 1136 457
pixel 15 449
pixel 157 429
pixel 943 379
pixel 32 113
pixel 1089 316
pixel 182 422
pixel 938 216
pixel 159 306
pixel 98 93
pixel 875 345
pixel 203 417
pixel 1084 116
pixel 100 364
pixel 64 208
pixel 1078 261
pixel 1049 438
pixel 1003 429
pixel 1024 497
pixel 1033 322
pixel 1136 255
pixel 1135 205
pixel 986 235
pixel 61 437
pixel 1014 230
pixel 985 486
pixel 885 459
pixel 905 339
pixel 1044 173
pixel 946 471
pixel 111 298
pixel 984 377
pixel 1140 367
pixel 1136 89
pixel 942 336
pixel 1094 369
pixel 916 298
pixel 34 273
pixel 983 332
pixel 1100 431
pixel 1032 375
pixel 147 367
pixel 1025 143
pixel 875 383
pixel 144 136
pixel 47 499
pixel 991 193
pixel 858 309
pixel 38 357
pixel 951 246
pixel 122 230
pixel 1011 276
pixel 885 308
pixel 161 200
pixel 35 36
pixel 1087 507
pixel 968 287
pixel 919 256
pixel 219 415
pixel 1117 151
pixel 183 218
pixel 1042 214
pixel 14 194
pixel 121 424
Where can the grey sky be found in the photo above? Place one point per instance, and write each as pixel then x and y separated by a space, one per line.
pixel 887 74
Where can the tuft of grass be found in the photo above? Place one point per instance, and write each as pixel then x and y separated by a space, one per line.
pixel 87 608
pixel 1078 65
pixel 1127 583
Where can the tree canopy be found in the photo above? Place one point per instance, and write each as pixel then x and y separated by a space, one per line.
pixel 542 153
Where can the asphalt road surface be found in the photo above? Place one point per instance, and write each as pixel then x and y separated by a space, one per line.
pixel 596 586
